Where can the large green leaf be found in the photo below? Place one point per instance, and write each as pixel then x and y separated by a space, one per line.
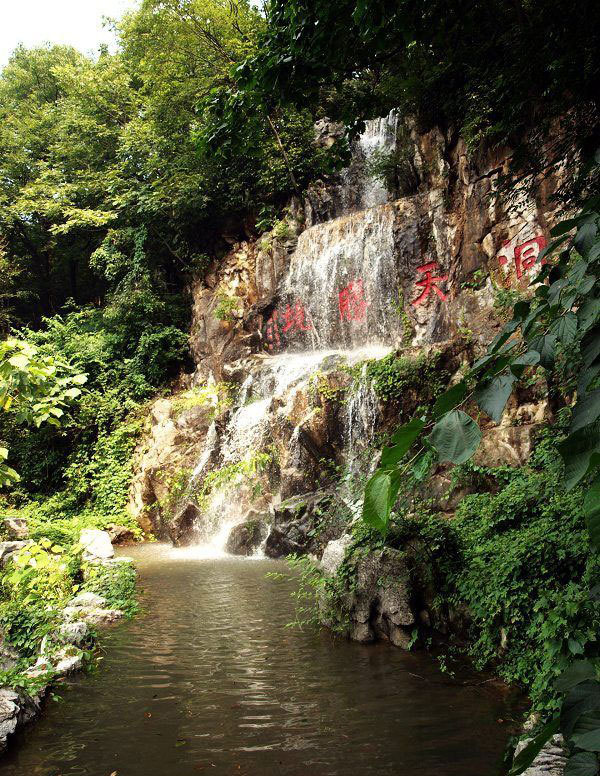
pixel 586 734
pixel 556 289
pixel 586 236
pixel 422 465
pixel 534 315
pixel 455 437
pixel 579 452
pixel 588 313
pixel 403 440
pixel 450 399
pixel 582 764
pixel 545 346
pixel 376 509
pixel 577 672
pixel 591 510
pixel 380 496
pixel 527 755
pixel 492 397
pixel 565 226
pixel 586 411
pixel 581 699
pixel 586 378
pixel 565 328
pixel 520 364
pixel 590 346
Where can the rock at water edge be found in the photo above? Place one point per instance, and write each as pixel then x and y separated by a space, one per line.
pixel 96 544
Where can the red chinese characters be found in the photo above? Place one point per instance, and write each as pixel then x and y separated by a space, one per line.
pixel 524 255
pixel 292 320
pixel 429 283
pixel 352 302
pixel 272 331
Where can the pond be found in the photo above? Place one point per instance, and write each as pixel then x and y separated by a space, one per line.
pixel 210 680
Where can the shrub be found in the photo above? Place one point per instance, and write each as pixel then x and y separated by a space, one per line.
pixel 393 375
pixel 525 574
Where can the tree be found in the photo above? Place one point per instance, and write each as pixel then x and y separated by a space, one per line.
pixel 36 388
pixel 523 74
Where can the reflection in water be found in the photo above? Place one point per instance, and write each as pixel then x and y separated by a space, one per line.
pixel 209 680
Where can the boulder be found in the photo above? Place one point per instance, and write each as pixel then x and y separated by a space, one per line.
pixel 16 527
pixel 183 525
pixel 246 537
pixel 92 615
pixel 76 633
pixel 68 664
pixel 298 526
pixel 120 534
pixel 378 605
pixel 87 599
pixel 96 544
pixel 60 662
pixel 334 554
pixel 9 714
pixel 551 761
pixel 8 549
pixel 88 609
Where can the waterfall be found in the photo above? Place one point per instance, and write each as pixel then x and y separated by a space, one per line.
pixel 343 274
pixel 362 414
pixel 334 308
pixel 210 445
pixel 380 136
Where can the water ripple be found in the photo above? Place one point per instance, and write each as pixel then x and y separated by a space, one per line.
pixel 209 680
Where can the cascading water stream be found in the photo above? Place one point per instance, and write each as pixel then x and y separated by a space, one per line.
pixel 379 137
pixel 340 280
pixel 344 273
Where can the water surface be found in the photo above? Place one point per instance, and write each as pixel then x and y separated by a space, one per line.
pixel 211 681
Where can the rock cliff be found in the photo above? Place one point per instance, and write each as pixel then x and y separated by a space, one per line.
pixel 316 338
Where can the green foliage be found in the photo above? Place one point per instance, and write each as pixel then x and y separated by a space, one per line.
pixel 481 70
pixel 37 389
pixel 116 583
pixel 308 582
pixel 23 683
pixel 455 436
pixel 248 469
pixel 83 473
pixel 396 169
pixel 505 299
pixel 226 305
pixel 177 483
pixel 393 376
pixel 525 571
pixel 35 586
pixel 531 523
pixel 217 397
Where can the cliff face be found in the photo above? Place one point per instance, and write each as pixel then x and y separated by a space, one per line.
pixel 353 310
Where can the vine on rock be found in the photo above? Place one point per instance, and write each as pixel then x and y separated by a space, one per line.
pixel 557 330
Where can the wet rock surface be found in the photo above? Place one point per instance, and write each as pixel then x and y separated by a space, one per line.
pixel 334 553
pixel 380 605
pixel 247 537
pixel 342 272
pixel 120 534
pixel 295 526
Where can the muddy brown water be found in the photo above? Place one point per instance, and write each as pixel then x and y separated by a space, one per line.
pixel 209 680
